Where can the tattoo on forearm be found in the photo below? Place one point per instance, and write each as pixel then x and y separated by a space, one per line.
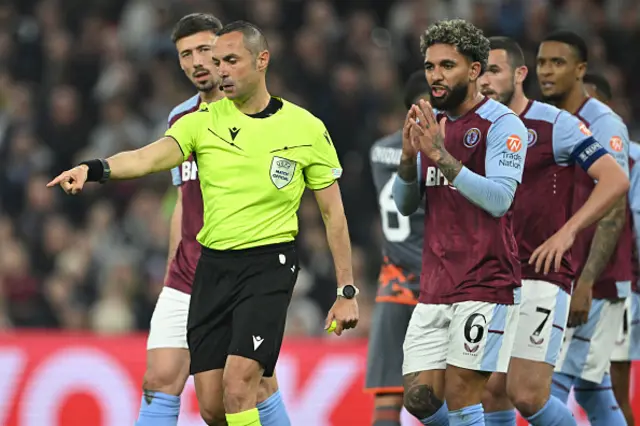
pixel 604 241
pixel 448 165
pixel 407 170
pixel 419 398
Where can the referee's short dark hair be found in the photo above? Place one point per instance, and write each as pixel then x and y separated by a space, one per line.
pixel 416 85
pixel 193 24
pixel 254 39
pixel 513 49
pixel 601 84
pixel 572 39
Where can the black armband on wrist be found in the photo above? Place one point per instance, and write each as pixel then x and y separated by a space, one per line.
pixel 99 170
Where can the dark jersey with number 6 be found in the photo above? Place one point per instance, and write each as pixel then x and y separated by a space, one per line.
pixel 403 236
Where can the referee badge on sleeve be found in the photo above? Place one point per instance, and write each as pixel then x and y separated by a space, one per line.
pixel 282 171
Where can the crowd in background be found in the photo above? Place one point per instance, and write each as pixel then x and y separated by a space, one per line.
pixel 81 79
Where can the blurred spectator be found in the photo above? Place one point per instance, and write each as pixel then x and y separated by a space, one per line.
pixel 81 79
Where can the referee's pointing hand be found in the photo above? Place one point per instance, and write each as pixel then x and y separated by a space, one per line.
pixel 345 312
pixel 72 181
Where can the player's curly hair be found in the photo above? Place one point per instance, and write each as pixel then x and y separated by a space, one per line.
pixel 467 39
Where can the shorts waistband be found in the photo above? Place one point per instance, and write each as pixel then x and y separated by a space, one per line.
pixel 251 251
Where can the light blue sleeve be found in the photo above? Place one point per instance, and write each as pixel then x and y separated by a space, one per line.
pixel 176 172
pixel 494 195
pixel 504 163
pixel 407 195
pixel 176 176
pixel 568 133
pixel 613 135
pixel 506 148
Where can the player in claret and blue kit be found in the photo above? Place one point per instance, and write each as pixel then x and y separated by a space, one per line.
pixel 543 223
pixel 466 163
pixel 627 347
pixel 601 253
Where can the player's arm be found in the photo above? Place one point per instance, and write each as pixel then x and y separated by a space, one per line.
pixel 407 190
pixel 175 226
pixel 610 131
pixel 504 164
pixel 611 180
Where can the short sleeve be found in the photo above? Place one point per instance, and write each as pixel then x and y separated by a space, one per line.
pixel 186 132
pixel 506 148
pixel 574 143
pixel 324 167
pixel 613 135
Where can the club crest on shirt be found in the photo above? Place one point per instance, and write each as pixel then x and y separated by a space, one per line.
pixel 472 137
pixel 533 137
pixel 282 171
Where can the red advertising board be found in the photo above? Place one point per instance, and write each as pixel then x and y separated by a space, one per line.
pixel 55 379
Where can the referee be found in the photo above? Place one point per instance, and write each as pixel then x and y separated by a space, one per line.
pixel 256 154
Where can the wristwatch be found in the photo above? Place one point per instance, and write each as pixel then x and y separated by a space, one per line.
pixel 348 291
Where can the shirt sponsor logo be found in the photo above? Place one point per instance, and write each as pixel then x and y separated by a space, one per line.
pixel 584 129
pixel 434 177
pixel 511 159
pixel 472 137
pixel 336 173
pixel 189 171
pixel 514 144
pixel 616 143
pixel 532 137
pixel 282 171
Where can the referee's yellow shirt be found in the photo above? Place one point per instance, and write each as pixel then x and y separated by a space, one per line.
pixel 253 171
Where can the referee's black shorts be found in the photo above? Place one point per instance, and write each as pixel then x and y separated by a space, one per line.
pixel 239 305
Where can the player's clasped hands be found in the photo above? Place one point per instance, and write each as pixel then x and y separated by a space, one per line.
pixel 423 130
pixel 72 181
pixel 345 313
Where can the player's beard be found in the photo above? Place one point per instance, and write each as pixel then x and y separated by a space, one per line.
pixel 456 96
pixel 505 97
pixel 207 87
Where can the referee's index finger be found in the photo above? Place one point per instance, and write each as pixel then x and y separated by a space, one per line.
pixel 59 179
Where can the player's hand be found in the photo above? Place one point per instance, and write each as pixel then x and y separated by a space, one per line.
pixel 72 181
pixel 345 312
pixel 426 134
pixel 580 305
pixel 552 251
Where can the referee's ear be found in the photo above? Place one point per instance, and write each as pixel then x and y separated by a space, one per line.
pixel 262 60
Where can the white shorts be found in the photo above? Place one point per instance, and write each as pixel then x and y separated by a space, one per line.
pixel 473 335
pixel 169 320
pixel 628 343
pixel 586 351
pixel 544 310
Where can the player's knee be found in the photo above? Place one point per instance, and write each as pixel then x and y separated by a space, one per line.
pixel 528 400
pixel 213 416
pixel 495 393
pixel 163 381
pixel 421 401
